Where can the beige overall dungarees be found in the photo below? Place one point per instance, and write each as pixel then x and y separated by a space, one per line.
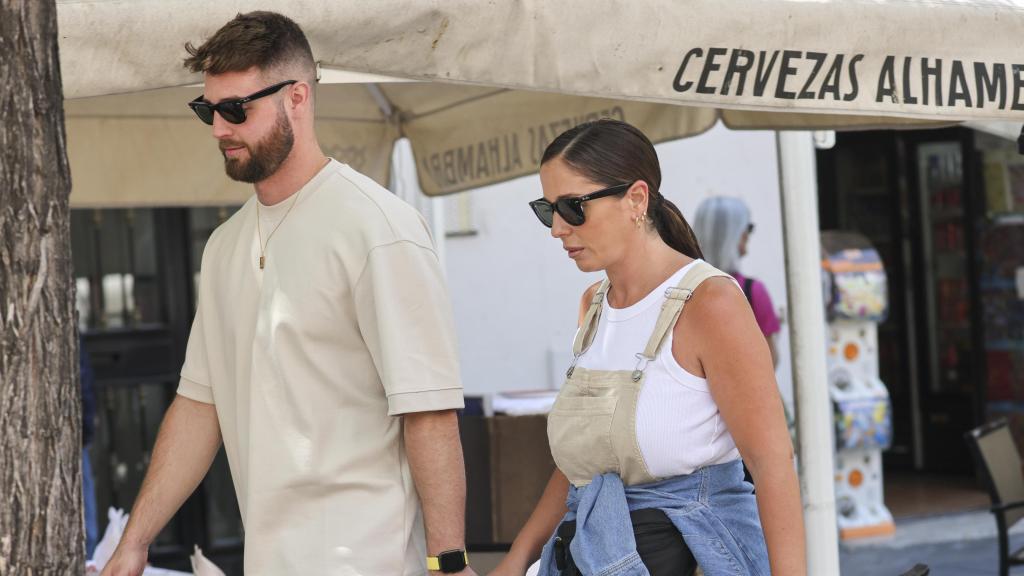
pixel 592 425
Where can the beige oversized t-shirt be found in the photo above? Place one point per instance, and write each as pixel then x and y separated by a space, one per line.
pixel 310 360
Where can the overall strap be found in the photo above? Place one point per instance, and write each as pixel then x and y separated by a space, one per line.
pixel 588 329
pixel 675 299
pixel 748 290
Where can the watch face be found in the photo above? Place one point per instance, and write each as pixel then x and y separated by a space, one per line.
pixel 452 561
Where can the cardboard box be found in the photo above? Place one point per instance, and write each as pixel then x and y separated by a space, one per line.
pixel 508 465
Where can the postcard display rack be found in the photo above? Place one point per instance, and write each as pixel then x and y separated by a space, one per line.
pixel 856 301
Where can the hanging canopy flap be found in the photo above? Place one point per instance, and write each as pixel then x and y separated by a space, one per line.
pixel 129 149
pixel 149 149
pixel 946 60
pixel 466 138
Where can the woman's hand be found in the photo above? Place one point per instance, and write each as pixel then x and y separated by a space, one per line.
pixel 510 565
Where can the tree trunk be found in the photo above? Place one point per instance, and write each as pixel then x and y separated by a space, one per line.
pixel 41 529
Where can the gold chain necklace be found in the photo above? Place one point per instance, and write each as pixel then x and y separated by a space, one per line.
pixel 259 231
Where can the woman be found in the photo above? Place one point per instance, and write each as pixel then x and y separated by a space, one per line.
pixel 723 227
pixel 671 381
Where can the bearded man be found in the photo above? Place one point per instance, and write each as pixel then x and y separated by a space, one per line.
pixel 322 353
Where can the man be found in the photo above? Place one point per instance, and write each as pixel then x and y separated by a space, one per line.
pixel 322 351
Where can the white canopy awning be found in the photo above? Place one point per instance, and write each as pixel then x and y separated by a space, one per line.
pixel 496 81
pixel 935 59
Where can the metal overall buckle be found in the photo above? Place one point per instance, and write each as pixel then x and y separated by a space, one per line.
pixel 641 365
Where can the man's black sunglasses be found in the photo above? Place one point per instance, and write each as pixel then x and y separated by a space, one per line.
pixel 571 208
pixel 232 110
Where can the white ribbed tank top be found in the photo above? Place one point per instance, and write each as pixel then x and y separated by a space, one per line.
pixel 678 425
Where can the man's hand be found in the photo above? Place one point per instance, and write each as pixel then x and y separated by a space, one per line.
pixel 126 561
pixel 188 440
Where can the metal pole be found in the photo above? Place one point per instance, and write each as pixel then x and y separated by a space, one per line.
pixel 405 184
pixel 439 227
pixel 799 195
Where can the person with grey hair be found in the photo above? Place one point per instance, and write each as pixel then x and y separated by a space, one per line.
pixel 723 227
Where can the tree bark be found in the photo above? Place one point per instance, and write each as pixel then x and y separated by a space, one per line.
pixel 41 529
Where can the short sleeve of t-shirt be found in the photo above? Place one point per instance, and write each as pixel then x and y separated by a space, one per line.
pixel 406 321
pixel 195 373
pixel 764 311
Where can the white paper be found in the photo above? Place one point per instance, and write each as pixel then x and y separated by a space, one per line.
pixel 202 566
pixel 522 403
pixel 117 520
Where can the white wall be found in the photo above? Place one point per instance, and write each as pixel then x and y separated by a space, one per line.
pixel 742 164
pixel 516 294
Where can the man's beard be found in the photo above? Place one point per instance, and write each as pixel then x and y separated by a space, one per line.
pixel 265 157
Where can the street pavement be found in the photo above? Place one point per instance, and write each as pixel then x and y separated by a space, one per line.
pixel 962 544
pixel 951 545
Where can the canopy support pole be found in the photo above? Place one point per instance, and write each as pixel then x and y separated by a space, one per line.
pixel 405 184
pixel 382 101
pixel 799 195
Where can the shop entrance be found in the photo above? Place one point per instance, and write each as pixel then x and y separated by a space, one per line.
pixel 918 196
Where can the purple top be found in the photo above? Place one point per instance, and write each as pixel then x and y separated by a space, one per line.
pixel 761 302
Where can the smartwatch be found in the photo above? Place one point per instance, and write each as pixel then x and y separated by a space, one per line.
pixel 448 562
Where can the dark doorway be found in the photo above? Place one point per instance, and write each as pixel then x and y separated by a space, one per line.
pixel 915 195
pixel 135 275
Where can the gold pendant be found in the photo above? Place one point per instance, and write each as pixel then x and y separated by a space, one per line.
pixel 261 262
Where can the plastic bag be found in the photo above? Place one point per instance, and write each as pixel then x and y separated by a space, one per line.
pixel 201 565
pixel 111 536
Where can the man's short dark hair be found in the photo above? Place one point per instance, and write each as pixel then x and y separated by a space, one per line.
pixel 265 40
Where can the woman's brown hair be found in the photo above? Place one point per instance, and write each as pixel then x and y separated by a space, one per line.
pixel 612 152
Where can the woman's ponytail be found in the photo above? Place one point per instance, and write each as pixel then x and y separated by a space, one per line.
pixel 673 227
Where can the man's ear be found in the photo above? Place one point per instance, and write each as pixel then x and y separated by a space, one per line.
pixel 301 94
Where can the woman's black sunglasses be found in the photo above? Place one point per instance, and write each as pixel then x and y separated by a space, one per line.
pixel 571 208
pixel 232 110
